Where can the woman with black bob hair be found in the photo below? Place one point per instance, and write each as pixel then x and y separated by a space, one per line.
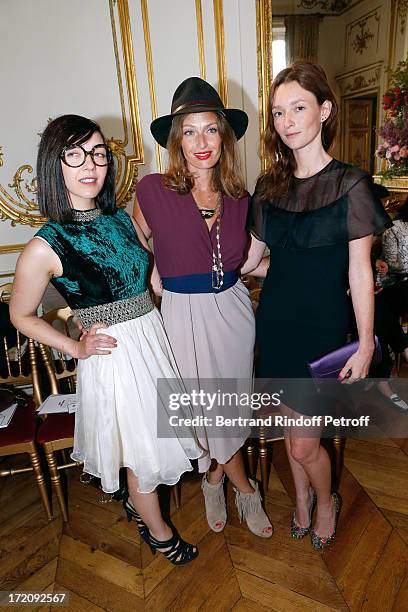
pixel 97 258
pixel 53 197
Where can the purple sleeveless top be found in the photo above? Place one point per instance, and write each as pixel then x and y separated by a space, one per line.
pixel 182 243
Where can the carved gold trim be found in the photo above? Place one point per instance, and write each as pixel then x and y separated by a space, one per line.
pixel 360 79
pixel 200 37
pixel 402 10
pixel 358 25
pixel 360 82
pixel 23 208
pixel 149 63
pixel 19 210
pixel 391 40
pixel 264 60
pixel 125 191
pixel 11 248
pixel 399 184
pixel 220 50
pixel 343 75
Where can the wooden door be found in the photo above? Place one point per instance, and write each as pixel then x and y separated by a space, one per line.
pixel 358 132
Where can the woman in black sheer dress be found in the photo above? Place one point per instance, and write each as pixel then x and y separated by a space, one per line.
pixel 317 216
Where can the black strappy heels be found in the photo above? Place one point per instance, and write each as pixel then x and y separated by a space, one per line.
pixel 178 551
pixel 132 515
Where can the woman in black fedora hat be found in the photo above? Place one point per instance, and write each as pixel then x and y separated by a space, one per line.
pixel 196 213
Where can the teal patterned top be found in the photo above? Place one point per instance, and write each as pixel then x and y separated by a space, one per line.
pixel 102 258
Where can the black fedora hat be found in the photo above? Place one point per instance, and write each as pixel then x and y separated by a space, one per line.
pixel 197 96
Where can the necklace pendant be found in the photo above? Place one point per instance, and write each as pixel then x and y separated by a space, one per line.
pixel 206 213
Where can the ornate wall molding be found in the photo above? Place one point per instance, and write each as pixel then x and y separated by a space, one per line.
pixel 220 50
pixel 150 75
pixel 22 208
pixel 200 38
pixel 360 80
pixel 11 248
pixel 363 35
pixel 402 11
pixel 264 59
pixel 361 39
pixel 332 6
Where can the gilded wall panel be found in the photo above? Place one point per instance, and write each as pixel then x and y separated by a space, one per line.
pixel 363 38
pixel 119 64
pixel 70 80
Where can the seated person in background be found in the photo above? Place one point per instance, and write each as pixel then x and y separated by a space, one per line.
pixel 387 328
pixel 394 268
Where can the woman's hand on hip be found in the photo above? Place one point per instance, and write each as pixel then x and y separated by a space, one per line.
pixel 92 343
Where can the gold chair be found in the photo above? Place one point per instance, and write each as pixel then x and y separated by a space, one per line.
pixel 258 450
pixel 19 436
pixel 5 292
pixel 56 432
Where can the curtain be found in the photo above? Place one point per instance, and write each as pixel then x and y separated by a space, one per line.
pixel 302 37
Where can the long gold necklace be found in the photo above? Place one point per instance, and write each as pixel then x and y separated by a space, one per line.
pixel 217 266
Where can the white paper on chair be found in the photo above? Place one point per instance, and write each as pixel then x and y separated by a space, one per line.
pixel 59 403
pixel 6 415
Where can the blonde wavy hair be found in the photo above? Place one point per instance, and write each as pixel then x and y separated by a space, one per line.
pixel 227 176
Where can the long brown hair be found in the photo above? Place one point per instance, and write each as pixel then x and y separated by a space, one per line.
pixel 281 161
pixel 227 176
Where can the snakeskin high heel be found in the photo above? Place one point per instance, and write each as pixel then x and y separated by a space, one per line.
pixel 296 531
pixel 320 542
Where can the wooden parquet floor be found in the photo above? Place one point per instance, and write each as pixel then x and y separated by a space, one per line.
pixel 99 560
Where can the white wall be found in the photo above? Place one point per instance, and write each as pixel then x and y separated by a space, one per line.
pixel 58 57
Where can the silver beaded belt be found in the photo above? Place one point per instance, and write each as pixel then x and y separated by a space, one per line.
pixel 115 312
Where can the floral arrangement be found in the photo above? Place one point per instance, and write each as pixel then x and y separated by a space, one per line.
pixel 394 132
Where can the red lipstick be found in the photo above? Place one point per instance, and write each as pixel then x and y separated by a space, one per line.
pixel 203 155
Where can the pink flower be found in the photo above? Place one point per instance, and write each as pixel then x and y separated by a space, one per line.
pixel 404 151
pixel 388 154
pixel 395 149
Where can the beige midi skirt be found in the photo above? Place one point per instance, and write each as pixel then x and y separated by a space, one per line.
pixel 212 337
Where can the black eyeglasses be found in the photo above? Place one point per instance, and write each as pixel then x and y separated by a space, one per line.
pixel 75 155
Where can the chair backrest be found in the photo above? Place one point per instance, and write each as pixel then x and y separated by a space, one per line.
pixel 254 295
pixel 18 365
pixel 5 292
pixel 59 366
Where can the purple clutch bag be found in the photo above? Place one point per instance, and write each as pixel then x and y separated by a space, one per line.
pixel 331 364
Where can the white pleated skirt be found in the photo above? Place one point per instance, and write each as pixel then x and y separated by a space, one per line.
pixel 212 336
pixel 116 420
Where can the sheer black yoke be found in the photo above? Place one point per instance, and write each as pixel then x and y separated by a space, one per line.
pixel 336 205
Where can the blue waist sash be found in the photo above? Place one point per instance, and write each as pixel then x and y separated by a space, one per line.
pixel 198 283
